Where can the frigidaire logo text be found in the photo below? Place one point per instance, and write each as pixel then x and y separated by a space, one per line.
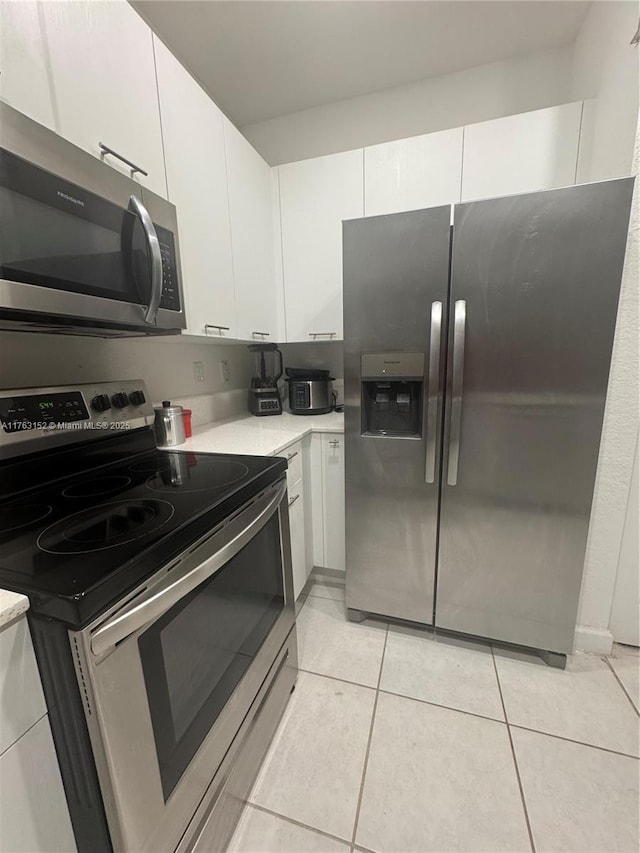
pixel 385 361
pixel 71 198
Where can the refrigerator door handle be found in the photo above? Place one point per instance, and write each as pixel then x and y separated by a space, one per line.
pixel 433 391
pixel 459 323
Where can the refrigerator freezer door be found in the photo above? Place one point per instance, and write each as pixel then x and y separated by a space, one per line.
pixel 395 301
pixel 539 277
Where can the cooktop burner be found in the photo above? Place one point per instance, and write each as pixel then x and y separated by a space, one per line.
pixel 22 515
pixel 104 526
pixel 99 486
pixel 204 476
pixel 96 519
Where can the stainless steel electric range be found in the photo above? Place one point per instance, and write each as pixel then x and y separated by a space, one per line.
pixel 161 612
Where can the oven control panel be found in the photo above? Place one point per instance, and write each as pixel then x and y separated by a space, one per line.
pixel 33 418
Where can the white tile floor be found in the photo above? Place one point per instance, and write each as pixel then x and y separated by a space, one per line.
pixel 400 741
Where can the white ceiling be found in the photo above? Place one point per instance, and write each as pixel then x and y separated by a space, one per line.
pixel 259 59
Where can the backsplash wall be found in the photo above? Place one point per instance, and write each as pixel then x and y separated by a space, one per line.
pixel 319 354
pixel 165 364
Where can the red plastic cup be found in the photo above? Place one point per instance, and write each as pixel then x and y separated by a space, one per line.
pixel 186 417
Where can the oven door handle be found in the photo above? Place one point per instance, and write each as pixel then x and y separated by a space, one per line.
pixel 234 536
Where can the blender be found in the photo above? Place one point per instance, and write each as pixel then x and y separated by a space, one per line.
pixel 264 396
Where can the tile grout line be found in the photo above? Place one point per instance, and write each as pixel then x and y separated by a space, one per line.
pixel 369 739
pixel 472 714
pixel 624 689
pixel 513 753
pixel 444 707
pixel 576 742
pixel 295 822
pixel 335 678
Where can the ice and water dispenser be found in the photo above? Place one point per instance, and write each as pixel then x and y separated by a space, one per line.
pixel 392 393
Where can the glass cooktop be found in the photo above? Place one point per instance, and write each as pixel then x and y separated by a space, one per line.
pixel 76 543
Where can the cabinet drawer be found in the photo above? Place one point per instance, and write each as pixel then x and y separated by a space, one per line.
pixel 293 455
pixel 21 698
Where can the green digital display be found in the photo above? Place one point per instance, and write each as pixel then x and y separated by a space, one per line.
pixel 34 412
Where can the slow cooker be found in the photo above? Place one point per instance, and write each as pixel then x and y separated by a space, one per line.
pixel 310 391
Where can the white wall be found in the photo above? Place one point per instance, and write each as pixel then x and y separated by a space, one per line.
pixel 605 69
pixel 477 94
pixel 615 462
pixel 625 611
pixel 165 364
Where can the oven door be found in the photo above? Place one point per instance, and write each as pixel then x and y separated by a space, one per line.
pixel 173 672
pixel 81 242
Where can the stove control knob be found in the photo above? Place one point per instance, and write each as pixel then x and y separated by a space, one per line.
pixel 101 403
pixel 120 400
pixel 137 398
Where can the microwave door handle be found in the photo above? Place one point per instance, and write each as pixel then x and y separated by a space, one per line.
pixel 237 534
pixel 153 247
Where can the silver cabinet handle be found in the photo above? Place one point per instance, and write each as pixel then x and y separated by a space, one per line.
pixel 433 391
pixel 322 334
pixel 106 150
pixel 219 328
pixel 153 245
pixel 291 456
pixel 335 443
pixel 459 323
pixel 293 500
pixel 230 540
pixel 262 334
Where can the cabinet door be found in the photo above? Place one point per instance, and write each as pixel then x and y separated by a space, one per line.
pixel 197 182
pixel 21 698
pixel 521 153
pixel 410 174
pixel 33 814
pixel 333 500
pixel 24 77
pixel 315 196
pixel 104 80
pixel 250 211
pixel 298 549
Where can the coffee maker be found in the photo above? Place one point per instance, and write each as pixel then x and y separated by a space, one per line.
pixel 264 396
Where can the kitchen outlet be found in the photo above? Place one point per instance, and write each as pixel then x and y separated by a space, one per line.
pixel 224 371
pixel 198 371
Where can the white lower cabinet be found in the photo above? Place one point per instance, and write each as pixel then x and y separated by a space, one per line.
pixel 34 817
pixel 333 501
pixel 298 546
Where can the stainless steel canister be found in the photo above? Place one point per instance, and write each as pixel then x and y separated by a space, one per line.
pixel 169 425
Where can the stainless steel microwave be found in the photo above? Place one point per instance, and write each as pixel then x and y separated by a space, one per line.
pixel 83 247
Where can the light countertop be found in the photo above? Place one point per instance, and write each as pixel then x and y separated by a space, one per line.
pixel 265 436
pixel 12 604
pixel 246 436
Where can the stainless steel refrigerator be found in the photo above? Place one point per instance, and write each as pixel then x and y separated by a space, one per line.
pixel 476 364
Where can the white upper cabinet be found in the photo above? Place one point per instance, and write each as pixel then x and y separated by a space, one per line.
pixel 103 75
pixel 315 196
pixel 249 179
pixel 521 153
pixel 24 77
pixel 410 174
pixel 193 134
